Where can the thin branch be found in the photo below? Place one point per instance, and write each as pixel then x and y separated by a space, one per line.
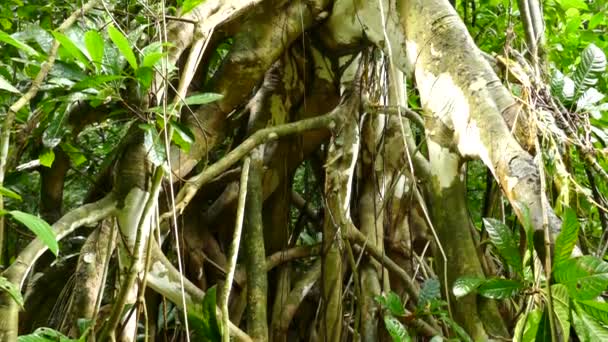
pixel 234 250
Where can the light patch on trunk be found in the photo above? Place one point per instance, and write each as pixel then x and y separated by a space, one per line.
pixel 401 187
pixel 444 99
pixel 444 164
pixel 351 170
pixel 412 54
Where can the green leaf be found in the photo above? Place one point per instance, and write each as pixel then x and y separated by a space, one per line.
pixel 151 59
pixel 182 136
pixel 502 237
pixel 567 237
pixel 76 156
pixel 591 67
pixel 527 326
pixel 96 81
pixel 153 144
pixel 39 227
pixel 561 308
pixel 189 5
pixel 144 76
pixel 72 49
pixel 45 335
pixel 12 290
pixel 95 45
pixel 499 288
pixel 56 130
pixel 6 85
pixel 590 97
pixel 392 303
pixel 10 193
pixel 597 310
pixel 586 277
pixel 587 328
pixel 543 333
pixel 203 98
pixel 47 157
pixel 205 324
pixel 578 4
pixel 5 37
pixel 431 289
pixel 396 329
pixel 123 45
pixel 465 285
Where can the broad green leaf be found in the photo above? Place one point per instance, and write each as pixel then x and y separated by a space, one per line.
pixel 465 285
pixel 45 335
pixel 144 76
pixel 12 290
pixel 9 193
pixel 123 45
pixel 596 309
pixel 586 277
pixel 76 156
pixel 591 67
pixel 71 47
pixel 202 98
pixel 431 289
pixel 153 144
pixel 396 329
pixel 527 326
pixel 392 303
pixel 151 59
pixel 561 308
pixel 182 136
pixel 502 237
pixel 557 85
pixel 95 45
pixel 499 288
pixel 6 85
pixel 205 324
pixel 578 4
pixel 47 157
pixel 57 128
pixel 189 5
pixel 5 37
pixel 567 237
pixel 587 328
pixel 39 227
pixel 590 97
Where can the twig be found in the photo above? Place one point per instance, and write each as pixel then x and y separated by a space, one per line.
pixel 234 250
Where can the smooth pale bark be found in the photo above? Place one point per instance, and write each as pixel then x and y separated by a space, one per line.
pixel 460 91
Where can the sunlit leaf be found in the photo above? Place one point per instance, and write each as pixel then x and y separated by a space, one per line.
pixel 527 326
pixel 205 324
pixel 95 45
pixel 561 308
pixel 566 240
pixel 6 85
pixel 39 227
pixel 586 277
pixel 499 288
pixel 189 5
pixel 5 37
pixel 396 329
pixel 465 285
pixel 182 136
pixel 123 45
pixel 45 335
pixel 586 327
pixel 203 98
pixel 9 193
pixel 154 146
pixel 47 157
pixel 71 47
pixel 591 67
pixel 596 309
pixel 392 303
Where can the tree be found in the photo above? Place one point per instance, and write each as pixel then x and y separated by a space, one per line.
pixel 339 135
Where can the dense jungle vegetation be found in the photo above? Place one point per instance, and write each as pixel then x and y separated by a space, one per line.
pixel 303 170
